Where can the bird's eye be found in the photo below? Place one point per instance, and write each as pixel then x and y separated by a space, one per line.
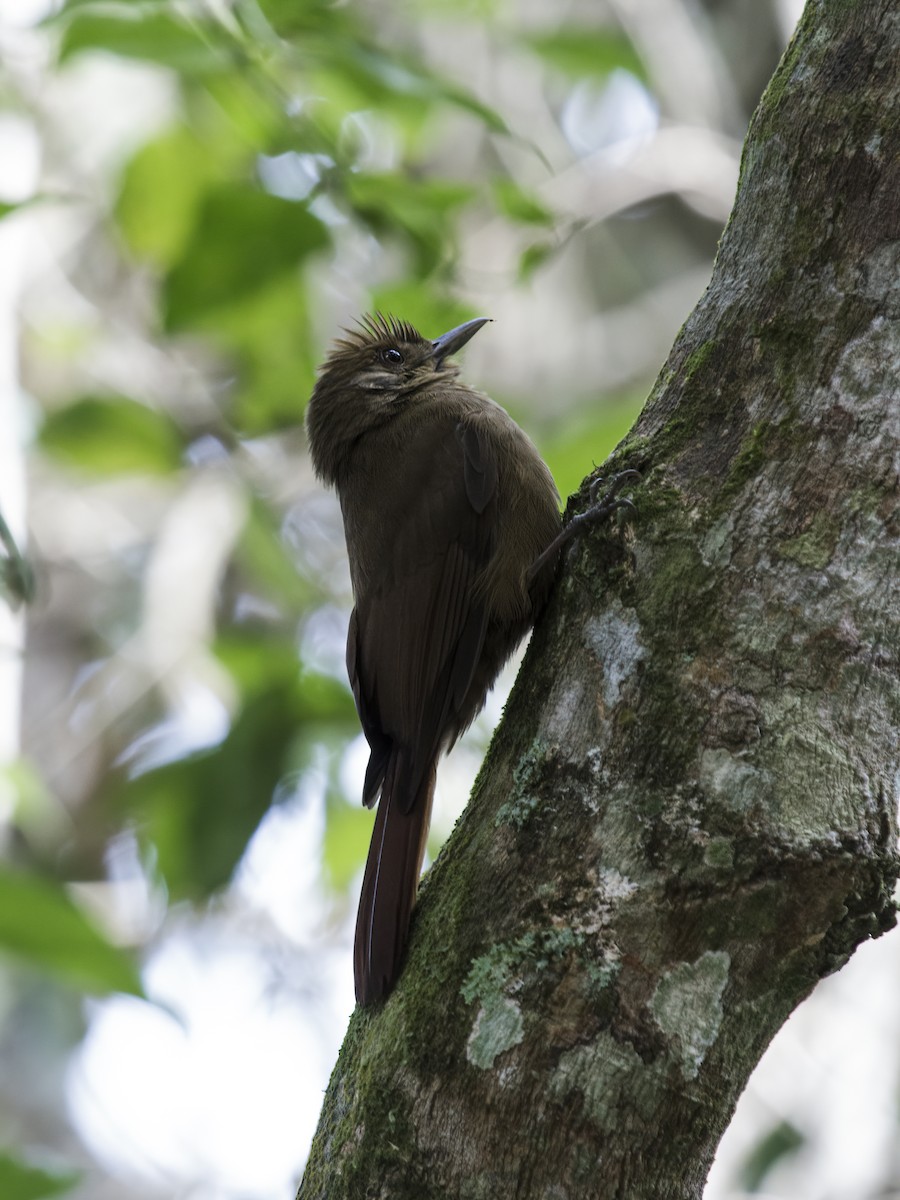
pixel 392 356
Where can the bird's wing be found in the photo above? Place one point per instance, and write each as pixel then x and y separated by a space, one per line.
pixel 418 627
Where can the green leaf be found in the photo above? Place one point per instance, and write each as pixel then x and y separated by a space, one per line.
pixel 255 112
pixel 334 38
pixel 42 926
pixel 348 830
pixel 387 75
pixel 420 210
pixel 151 35
pixel 162 188
pixel 519 205
pixel 587 51
pixel 268 333
pixel 412 199
pixel 464 99
pixel 16 572
pixel 112 436
pixel 258 662
pixel 534 257
pixel 31 801
pixel 291 19
pixel 782 1140
pixel 20 1180
pixel 262 557
pixel 244 239
pixel 200 812
pixel 456 10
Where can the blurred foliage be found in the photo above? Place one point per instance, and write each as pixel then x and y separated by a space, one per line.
pixel 304 162
pixel 39 924
pixel 16 575
pixel 112 435
pixel 200 811
pixel 21 1181
pixel 782 1140
pixel 565 452
pixel 587 51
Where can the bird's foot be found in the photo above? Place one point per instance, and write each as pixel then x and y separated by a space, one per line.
pixel 603 507
pixel 599 510
pixel 610 501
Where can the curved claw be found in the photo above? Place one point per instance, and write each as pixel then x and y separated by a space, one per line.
pixel 617 482
pixel 599 510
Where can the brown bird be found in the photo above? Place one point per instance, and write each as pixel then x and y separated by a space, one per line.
pixel 453 533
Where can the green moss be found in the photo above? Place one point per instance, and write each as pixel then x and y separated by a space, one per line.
pixel 679 612
pixel 765 119
pixel 384 1147
pixel 473 1187
pixel 706 398
pixel 697 359
pixel 766 440
pixel 451 891
pixel 370 1148
pixel 749 459
pixel 654 501
pixel 815 547
pixel 523 802
pixel 719 854
pixel 632 446
pixel 865 500
pixel 672 597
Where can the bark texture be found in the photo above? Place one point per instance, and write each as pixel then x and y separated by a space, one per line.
pixel 687 817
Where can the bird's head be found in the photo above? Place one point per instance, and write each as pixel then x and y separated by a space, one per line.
pixel 368 373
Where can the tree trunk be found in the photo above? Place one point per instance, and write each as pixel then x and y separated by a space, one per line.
pixel 687 817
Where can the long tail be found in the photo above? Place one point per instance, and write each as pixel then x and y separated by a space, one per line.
pixel 390 881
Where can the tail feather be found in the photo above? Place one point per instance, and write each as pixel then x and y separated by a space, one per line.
pixel 390 880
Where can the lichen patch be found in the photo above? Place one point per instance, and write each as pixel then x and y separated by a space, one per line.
pixel 614 640
pixel 498 1027
pixel 687 1007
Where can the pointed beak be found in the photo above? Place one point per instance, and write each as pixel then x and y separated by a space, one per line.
pixel 449 343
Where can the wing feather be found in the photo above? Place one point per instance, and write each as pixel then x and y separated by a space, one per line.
pixel 418 628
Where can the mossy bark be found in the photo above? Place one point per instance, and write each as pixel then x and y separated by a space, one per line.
pixel 688 815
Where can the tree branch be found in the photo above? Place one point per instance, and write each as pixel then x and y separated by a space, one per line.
pixel 687 816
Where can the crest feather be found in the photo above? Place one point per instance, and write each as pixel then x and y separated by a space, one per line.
pixel 378 327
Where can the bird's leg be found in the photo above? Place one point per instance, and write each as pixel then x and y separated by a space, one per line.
pixel 599 510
